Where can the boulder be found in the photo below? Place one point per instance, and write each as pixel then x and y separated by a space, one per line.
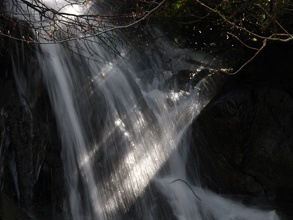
pixel 243 138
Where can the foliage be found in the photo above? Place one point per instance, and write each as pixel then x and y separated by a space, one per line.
pixel 250 23
pixel 252 20
pixel 262 17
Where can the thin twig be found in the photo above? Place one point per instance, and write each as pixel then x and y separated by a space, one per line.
pixel 229 22
pixel 237 38
pixel 188 187
pixel 42 9
pixel 242 28
pixel 248 61
pixel 274 20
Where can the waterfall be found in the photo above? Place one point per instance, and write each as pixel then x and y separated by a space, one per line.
pixel 125 129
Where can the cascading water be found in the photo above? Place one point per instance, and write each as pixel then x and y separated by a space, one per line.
pixel 124 132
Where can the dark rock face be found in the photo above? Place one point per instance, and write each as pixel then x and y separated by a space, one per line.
pixel 31 172
pixel 244 136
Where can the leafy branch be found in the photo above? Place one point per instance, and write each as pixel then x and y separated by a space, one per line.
pixel 283 36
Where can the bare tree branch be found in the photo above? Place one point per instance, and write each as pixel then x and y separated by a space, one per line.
pixel 282 37
pixel 58 26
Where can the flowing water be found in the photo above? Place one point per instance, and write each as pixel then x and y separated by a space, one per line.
pixel 124 127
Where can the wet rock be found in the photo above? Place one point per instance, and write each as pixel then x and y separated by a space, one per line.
pixel 243 138
pixel 31 171
pixel 10 211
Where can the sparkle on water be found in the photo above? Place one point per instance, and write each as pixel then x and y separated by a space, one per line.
pixel 142 132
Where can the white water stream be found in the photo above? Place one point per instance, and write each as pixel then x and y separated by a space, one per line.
pixel 124 131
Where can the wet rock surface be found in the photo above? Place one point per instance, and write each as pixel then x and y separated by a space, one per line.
pixel 243 138
pixel 31 171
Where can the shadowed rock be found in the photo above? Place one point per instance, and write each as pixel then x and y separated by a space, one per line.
pixel 244 136
pixel 31 171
